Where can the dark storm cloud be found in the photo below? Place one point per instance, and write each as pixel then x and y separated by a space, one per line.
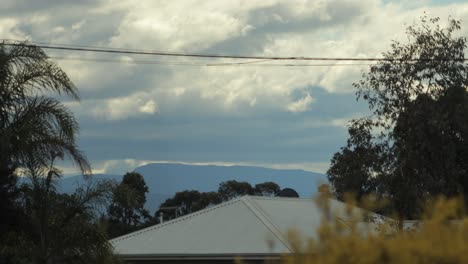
pixel 264 137
pixel 220 114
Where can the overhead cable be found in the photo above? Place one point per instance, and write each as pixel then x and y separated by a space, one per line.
pixel 201 55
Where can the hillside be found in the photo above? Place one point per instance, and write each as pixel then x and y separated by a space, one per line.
pixel 165 179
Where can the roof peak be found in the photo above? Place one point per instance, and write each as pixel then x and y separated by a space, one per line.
pixel 276 198
pixel 175 220
pixel 248 200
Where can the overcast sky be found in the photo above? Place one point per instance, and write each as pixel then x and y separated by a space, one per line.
pixel 283 117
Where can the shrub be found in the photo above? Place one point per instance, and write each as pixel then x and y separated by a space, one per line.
pixel 440 237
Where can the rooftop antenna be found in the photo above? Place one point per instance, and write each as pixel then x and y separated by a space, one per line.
pixel 161 217
pixel 175 208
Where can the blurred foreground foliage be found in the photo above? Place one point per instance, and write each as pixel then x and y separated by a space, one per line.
pixel 441 236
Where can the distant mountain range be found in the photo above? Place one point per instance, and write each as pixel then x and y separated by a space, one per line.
pixel 165 179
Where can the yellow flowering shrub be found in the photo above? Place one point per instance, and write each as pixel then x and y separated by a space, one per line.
pixel 440 237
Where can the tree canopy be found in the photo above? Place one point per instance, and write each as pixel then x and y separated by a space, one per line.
pixel 33 126
pixel 414 144
pixel 126 212
pixel 59 228
pixel 187 202
pixel 190 201
pixel 267 189
pixel 38 224
pixel 232 189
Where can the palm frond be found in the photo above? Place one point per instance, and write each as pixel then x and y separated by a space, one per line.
pixel 43 126
pixel 26 69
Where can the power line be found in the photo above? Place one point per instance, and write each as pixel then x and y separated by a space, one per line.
pixel 188 63
pixel 83 46
pixel 200 55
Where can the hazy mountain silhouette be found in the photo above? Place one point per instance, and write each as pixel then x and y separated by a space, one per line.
pixel 165 179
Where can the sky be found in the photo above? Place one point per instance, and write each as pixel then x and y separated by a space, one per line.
pixel 132 114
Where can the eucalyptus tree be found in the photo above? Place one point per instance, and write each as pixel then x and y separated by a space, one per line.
pixel 414 145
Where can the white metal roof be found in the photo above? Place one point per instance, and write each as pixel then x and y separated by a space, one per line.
pixel 247 225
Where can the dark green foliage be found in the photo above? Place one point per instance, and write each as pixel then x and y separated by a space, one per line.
pixel 32 125
pixel 267 189
pixel 58 228
pixel 187 202
pixel 8 194
pixel 126 212
pixel 39 225
pixel 414 145
pixel 232 189
pixel 353 167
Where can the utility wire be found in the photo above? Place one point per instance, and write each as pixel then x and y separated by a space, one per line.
pixel 82 46
pixel 200 55
pixel 188 63
pixel 192 63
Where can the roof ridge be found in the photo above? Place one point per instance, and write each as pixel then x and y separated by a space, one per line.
pixel 175 220
pixel 279 198
pixel 265 219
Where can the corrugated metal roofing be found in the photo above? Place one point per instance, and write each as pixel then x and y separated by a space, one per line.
pixel 247 225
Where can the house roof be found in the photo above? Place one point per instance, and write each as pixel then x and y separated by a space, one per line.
pixel 247 225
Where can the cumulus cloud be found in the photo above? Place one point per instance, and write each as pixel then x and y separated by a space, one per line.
pixel 159 25
pixel 193 101
pixel 124 107
pixel 92 77
pixel 344 28
pixel 116 108
pixel 301 105
pixel 9 30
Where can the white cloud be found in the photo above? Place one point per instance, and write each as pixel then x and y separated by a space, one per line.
pixel 301 105
pixel 120 91
pixel 117 108
pixel 179 91
pixel 361 35
pixel 120 166
pixel 345 28
pixel 340 122
pixel 58 30
pixel 149 107
pixel 92 76
pixel 124 107
pixel 159 25
pixel 78 25
pixel 8 29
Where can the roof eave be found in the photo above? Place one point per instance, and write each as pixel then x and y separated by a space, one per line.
pixel 245 256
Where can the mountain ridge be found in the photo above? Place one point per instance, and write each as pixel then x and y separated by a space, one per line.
pixel 165 179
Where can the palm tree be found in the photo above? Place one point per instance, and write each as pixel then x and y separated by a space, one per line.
pixel 34 126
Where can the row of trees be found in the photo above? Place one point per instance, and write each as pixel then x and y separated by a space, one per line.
pixel 190 201
pixel 126 212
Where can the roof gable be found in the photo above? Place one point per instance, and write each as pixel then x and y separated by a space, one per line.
pixel 247 225
pixel 233 227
